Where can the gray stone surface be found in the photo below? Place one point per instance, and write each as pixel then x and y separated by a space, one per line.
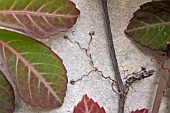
pixel 77 63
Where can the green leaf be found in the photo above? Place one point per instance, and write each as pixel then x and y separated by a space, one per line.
pixel 150 25
pixel 7 99
pixel 38 18
pixel 38 73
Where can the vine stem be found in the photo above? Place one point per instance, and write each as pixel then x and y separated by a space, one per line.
pixel 121 87
pixel 161 87
pixel 162 82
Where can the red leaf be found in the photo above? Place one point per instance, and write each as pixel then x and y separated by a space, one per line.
pixel 87 105
pixel 144 110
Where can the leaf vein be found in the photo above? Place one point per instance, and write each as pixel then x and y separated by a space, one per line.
pixel 54 12
pixel 35 23
pixel 43 5
pixel 13 4
pixel 149 26
pixel 37 74
pixel 155 16
pixel 150 41
pixel 53 75
pixel 3 52
pixel 5 101
pixel 29 84
pixel 26 28
pixel 16 72
pixel 26 7
pixel 48 22
pixel 3 88
pixel 35 13
pixel 46 64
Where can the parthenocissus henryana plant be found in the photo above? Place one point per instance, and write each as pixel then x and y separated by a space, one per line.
pixel 38 73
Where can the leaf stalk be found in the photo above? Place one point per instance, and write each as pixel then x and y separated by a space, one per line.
pixel 162 82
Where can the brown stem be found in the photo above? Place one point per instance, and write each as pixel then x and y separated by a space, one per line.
pixel 162 82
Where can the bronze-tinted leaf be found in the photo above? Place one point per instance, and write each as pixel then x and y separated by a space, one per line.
pixel 87 105
pixel 150 25
pixel 38 18
pixel 7 99
pixel 38 73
